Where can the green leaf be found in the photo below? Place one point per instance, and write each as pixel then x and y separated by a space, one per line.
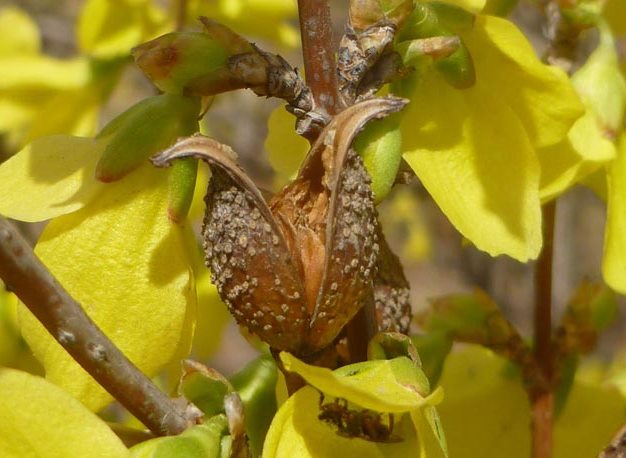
pixel 130 267
pixel 201 441
pixel 256 384
pixel 50 177
pixel 383 385
pixel 39 419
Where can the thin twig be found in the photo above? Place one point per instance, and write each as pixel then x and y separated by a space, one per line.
pixel 542 397
pixel 319 57
pixel 64 318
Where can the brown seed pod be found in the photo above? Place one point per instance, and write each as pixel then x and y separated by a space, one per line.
pixel 391 292
pixel 296 271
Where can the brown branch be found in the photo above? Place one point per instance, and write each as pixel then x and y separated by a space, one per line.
pixel 181 14
pixel 542 396
pixel 64 318
pixel 319 57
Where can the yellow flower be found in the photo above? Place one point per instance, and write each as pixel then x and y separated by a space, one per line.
pixel 356 396
pixel 476 149
pixel 486 411
pixel 40 94
pixel 113 246
pixel 266 19
pixel 37 418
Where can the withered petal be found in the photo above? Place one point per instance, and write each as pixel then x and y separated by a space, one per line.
pixel 245 249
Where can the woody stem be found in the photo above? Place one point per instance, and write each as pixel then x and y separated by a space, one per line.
pixel 317 50
pixel 66 320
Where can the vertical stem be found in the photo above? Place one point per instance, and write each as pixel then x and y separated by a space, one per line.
pixel 181 14
pixel 542 399
pixel 319 58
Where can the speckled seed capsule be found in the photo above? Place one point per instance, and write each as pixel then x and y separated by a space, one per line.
pixel 280 268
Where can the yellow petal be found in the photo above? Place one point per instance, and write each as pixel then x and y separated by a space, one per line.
pixel 270 20
pixel 473 156
pixel 75 113
pixel 614 262
pixel 19 33
pixel 18 106
pixel 123 260
pixel 297 432
pixel 542 96
pixel 564 164
pixel 286 149
pixel 372 385
pixel 486 412
pixel 110 28
pixel 50 177
pixel 38 419
pixel 42 72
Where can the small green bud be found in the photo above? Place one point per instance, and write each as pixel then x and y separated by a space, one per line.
pixel 190 62
pixel 389 345
pixel 143 130
pixel 458 68
pixel 380 146
pixel 366 13
pixel 436 19
pixel 204 387
pixel 440 21
pixel 181 183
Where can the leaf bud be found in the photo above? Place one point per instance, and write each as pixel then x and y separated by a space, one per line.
pixel 380 146
pixel 145 128
pixel 181 183
pixel 435 19
pixel 458 68
pixel 191 63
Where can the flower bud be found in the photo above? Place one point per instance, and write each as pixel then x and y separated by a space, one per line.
pixel 380 146
pixel 181 183
pixel 145 128
pixel 437 20
pixel 189 62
